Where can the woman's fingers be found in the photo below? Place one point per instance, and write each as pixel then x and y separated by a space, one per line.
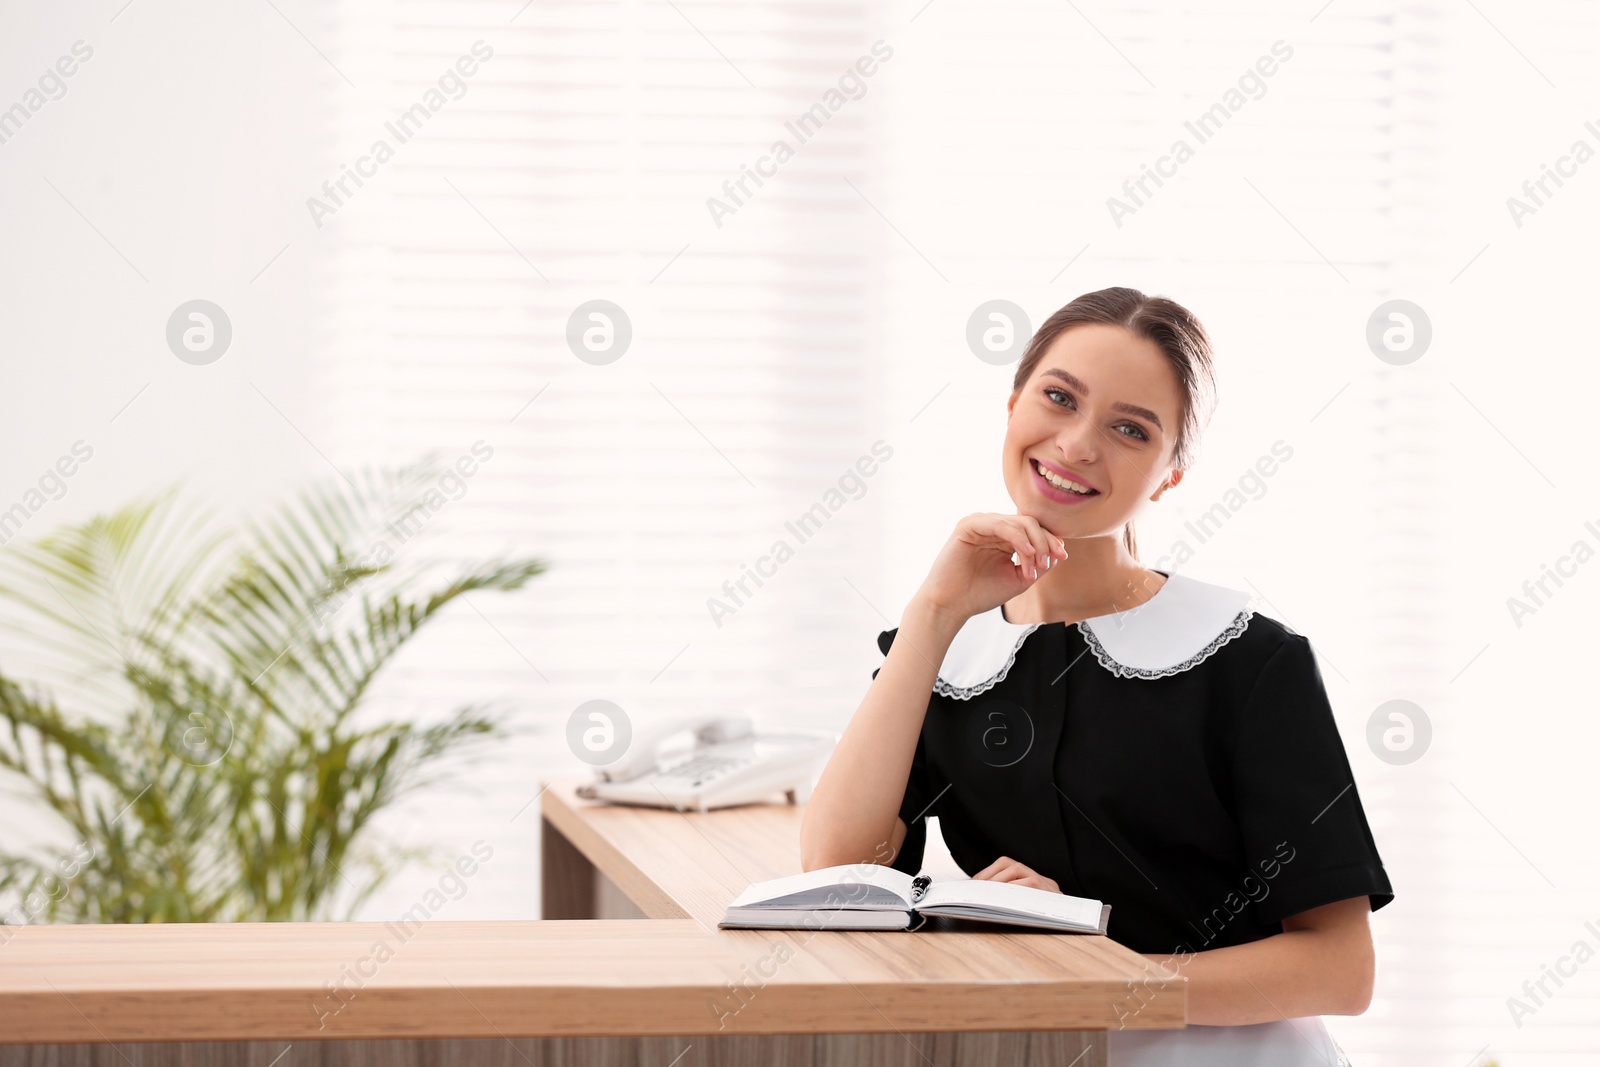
pixel 1029 541
pixel 1031 879
pixel 1039 881
pixel 1037 539
pixel 989 870
pixel 1006 869
pixel 1035 547
pixel 988 529
pixel 997 866
pixel 1012 537
pixel 1045 546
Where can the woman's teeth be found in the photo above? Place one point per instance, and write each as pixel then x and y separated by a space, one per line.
pixel 1061 483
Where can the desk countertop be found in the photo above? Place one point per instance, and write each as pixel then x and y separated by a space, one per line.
pixel 572 977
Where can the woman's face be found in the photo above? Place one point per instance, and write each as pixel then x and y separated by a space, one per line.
pixel 1102 405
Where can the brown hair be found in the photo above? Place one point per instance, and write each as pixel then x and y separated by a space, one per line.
pixel 1172 329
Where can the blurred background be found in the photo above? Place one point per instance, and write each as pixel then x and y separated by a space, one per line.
pixel 759 338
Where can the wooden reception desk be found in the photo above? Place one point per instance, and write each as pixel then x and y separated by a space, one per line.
pixel 627 967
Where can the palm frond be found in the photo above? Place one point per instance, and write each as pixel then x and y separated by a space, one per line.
pixel 212 765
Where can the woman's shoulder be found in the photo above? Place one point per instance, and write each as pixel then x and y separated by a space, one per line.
pixel 1267 634
pixel 1262 638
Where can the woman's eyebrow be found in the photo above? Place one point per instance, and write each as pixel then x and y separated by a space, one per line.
pixel 1131 409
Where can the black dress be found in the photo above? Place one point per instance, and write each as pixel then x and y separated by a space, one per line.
pixel 1178 761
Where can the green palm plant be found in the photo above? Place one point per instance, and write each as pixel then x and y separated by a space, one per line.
pixel 200 750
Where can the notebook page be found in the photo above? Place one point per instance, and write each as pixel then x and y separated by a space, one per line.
pixel 1007 896
pixel 816 919
pixel 869 885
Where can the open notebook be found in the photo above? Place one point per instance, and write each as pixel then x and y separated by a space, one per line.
pixel 870 896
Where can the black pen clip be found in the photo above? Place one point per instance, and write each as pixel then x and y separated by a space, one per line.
pixel 919 886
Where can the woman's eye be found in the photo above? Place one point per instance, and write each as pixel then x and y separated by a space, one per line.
pixel 1053 393
pixel 1142 436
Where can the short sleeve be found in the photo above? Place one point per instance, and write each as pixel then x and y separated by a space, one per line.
pixel 1303 828
pixel 913 806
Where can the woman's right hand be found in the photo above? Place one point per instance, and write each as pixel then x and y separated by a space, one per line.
pixel 974 572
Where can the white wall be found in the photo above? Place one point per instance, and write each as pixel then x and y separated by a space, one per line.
pixel 827 313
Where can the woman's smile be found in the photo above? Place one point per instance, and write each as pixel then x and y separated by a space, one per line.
pixel 1051 480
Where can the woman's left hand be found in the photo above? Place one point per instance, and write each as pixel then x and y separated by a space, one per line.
pixel 1006 869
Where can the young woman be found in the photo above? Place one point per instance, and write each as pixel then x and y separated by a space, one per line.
pixel 1083 724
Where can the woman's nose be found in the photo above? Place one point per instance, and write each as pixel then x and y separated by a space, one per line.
pixel 1079 441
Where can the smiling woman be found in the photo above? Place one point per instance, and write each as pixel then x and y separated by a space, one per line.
pixel 1194 747
pixel 1134 348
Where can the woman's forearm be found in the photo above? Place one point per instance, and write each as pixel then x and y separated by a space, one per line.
pixel 1323 970
pixel 850 817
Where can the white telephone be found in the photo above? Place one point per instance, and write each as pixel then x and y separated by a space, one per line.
pixel 728 763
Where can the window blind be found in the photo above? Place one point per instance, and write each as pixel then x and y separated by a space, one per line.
pixel 779 333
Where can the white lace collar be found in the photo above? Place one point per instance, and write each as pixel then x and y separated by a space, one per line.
pixel 1180 626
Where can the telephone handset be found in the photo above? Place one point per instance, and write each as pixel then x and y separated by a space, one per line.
pixel 727 763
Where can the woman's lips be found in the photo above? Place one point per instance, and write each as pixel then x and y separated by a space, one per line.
pixel 1062 496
